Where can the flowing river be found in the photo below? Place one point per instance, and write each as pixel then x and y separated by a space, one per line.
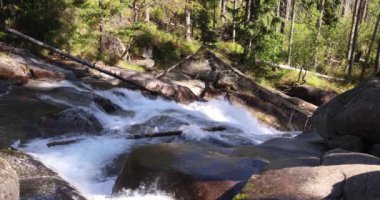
pixel 83 163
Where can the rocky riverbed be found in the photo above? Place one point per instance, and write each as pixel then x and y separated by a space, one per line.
pixel 67 135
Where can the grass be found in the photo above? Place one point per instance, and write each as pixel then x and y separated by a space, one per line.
pixel 126 65
pixel 268 77
pixel 2 35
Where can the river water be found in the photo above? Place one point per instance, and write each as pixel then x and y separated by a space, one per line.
pixel 82 163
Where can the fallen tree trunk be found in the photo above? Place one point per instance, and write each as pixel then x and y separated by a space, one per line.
pixel 62 142
pixel 176 65
pixel 173 133
pixel 275 97
pixel 142 81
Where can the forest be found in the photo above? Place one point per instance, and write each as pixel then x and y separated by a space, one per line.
pixel 333 37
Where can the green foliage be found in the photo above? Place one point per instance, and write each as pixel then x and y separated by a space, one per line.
pixel 265 40
pixel 230 48
pixel 167 47
pixel 240 197
pixel 127 65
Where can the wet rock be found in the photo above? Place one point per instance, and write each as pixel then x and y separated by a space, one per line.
pixel 314 95
pixel 9 183
pixel 45 73
pixel 20 112
pixel 375 150
pixel 72 120
pixel 190 171
pixel 36 180
pixel 107 105
pixel 156 124
pixel 353 113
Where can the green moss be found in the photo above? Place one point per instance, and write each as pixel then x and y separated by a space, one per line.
pixel 240 197
pixel 229 47
pixel 268 77
pixel 126 65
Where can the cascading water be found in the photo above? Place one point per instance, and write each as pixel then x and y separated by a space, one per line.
pixel 83 162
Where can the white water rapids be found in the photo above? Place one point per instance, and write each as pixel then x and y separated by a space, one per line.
pixel 82 163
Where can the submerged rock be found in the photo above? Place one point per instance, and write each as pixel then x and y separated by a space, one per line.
pixel 190 171
pixel 156 124
pixel 72 120
pixel 9 183
pixel 351 120
pixel 36 180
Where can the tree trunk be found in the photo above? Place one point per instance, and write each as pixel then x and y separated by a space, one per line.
pixel 223 11
pixel 319 26
pixel 188 22
pixel 291 32
pixel 357 18
pixel 285 12
pixel 141 81
pixel 368 55
pixel 134 5
pixel 234 21
pixel 147 14
pixel 377 65
pixel 346 4
pixel 365 7
pixel 248 7
pixel 353 22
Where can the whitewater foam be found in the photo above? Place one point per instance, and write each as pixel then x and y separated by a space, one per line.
pixel 82 163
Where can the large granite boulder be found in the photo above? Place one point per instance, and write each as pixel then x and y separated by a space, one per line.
pixel 351 121
pixel 13 71
pixel 36 180
pixel 189 171
pixel 340 174
pixel 9 183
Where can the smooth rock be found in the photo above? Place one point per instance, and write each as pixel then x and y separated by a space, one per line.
pixel 190 171
pixel 353 113
pixel 9 182
pixel 13 71
pixel 36 180
pixel 72 120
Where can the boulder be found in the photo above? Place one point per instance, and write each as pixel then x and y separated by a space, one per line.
pixel 189 171
pixel 159 123
pixel 9 183
pixel 341 175
pixel 314 95
pixel 37 72
pixel 106 105
pixel 72 120
pixel 36 180
pixel 352 117
pixel 13 71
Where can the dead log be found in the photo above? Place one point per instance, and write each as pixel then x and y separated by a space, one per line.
pixel 142 81
pixel 62 142
pixel 173 133
pixel 176 65
pixel 275 97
